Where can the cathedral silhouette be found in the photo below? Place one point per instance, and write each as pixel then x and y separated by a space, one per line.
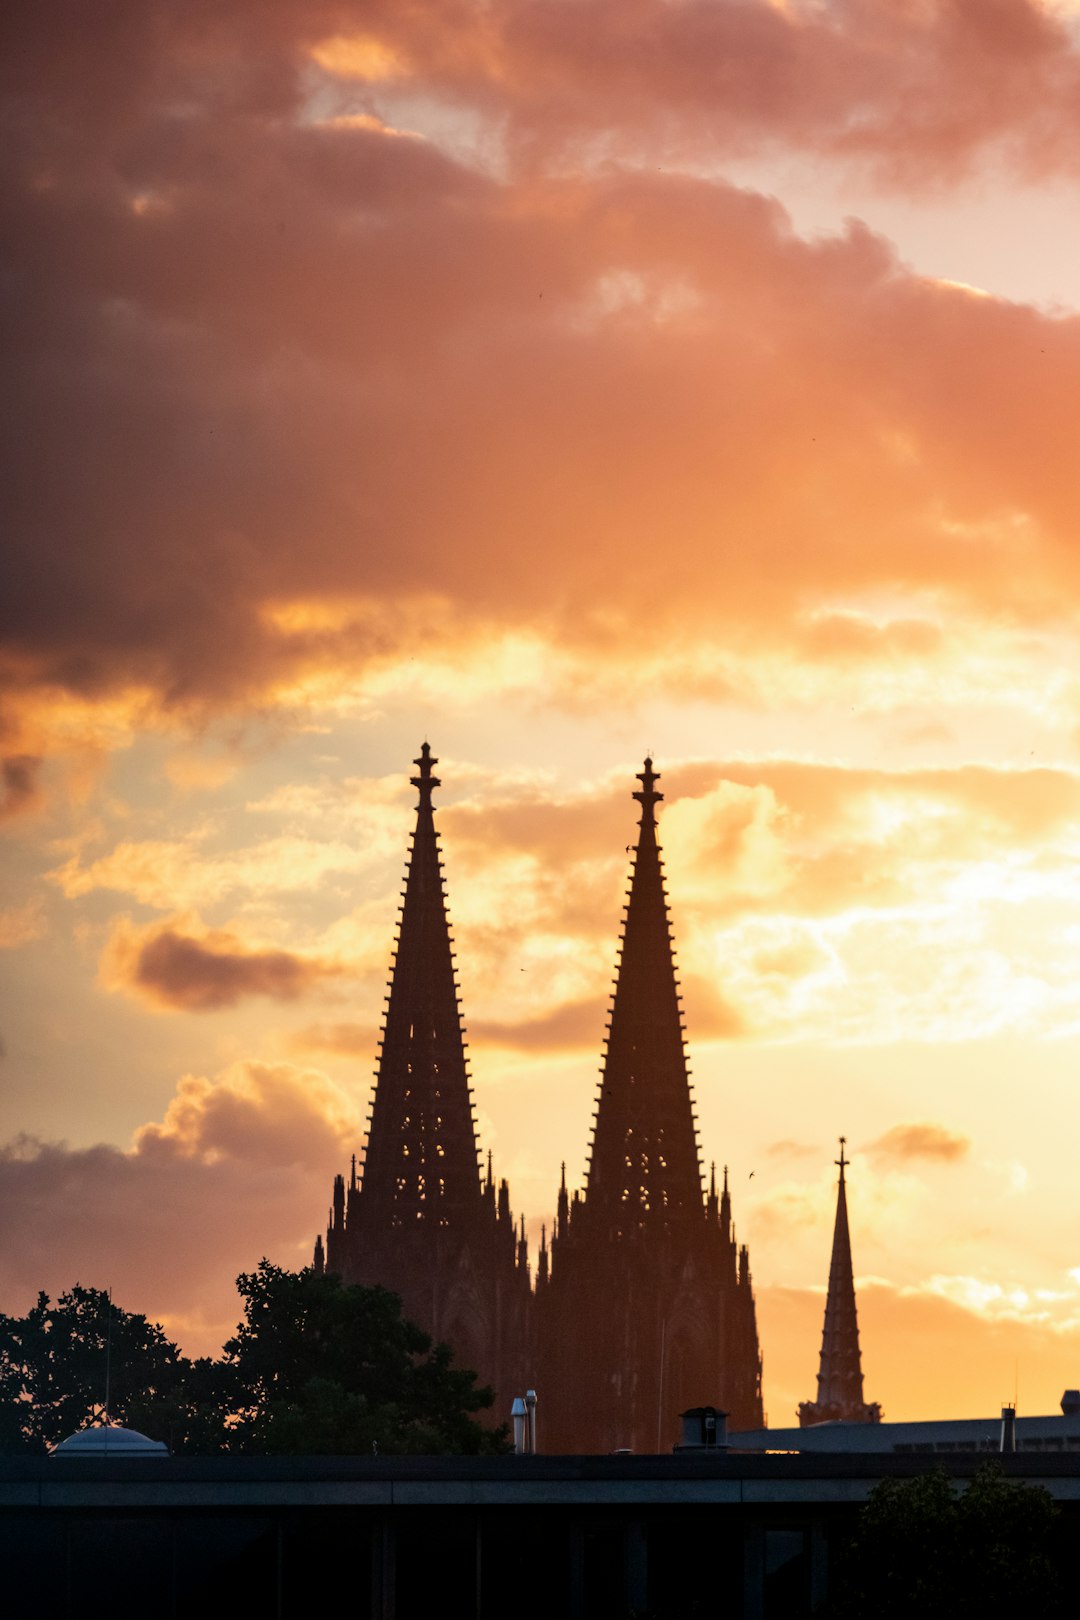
pixel 643 1304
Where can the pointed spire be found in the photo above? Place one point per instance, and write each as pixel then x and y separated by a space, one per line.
pixel 542 1262
pixel 562 1215
pixel 725 1209
pixel 840 1379
pixel 644 1172
pixel 421 1163
pixel 318 1261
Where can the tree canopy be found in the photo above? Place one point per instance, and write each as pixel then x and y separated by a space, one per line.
pixel 316 1366
pixel 56 1361
pixel 922 1548
pixel 324 1366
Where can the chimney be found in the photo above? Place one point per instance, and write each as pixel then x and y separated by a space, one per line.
pixel 1008 1428
pixel 704 1428
pixel 1070 1403
pixel 530 1428
pixel 519 1416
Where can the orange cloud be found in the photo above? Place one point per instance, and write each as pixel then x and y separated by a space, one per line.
pixel 19 789
pixel 21 924
pixel 256 1112
pixel 833 424
pixel 575 1026
pixel 177 971
pixel 349 1040
pixel 918 92
pixel 237 1168
pixel 922 1141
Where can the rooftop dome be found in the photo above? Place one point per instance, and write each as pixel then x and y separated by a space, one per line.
pixel 109 1440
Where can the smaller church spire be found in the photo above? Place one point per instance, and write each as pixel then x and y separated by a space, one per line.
pixel 840 1379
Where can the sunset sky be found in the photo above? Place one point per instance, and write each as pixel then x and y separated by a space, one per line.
pixel 557 381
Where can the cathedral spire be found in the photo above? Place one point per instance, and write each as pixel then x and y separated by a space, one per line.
pixel 644 1172
pixel 840 1379
pixel 421 1168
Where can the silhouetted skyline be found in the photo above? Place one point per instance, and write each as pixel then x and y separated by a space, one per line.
pixel 566 385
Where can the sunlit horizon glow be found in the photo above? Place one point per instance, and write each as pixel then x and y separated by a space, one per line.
pixel 558 385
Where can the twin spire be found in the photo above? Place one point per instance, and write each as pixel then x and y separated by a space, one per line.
pixel 644 1168
pixel 421 1162
pixel 643 1303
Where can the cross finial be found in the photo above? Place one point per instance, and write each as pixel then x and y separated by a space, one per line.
pixel 647 798
pixel 427 781
pixel 842 1161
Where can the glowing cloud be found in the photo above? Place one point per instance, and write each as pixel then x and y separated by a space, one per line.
pixel 174 970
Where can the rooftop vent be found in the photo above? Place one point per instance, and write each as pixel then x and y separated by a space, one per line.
pixel 704 1428
pixel 1070 1403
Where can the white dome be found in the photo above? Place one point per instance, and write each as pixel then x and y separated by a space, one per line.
pixel 109 1440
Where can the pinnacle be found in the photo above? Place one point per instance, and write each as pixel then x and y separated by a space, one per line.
pixel 644 1170
pixel 427 781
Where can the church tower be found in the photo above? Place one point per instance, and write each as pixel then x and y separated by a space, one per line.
pixel 419 1219
pixel 646 1306
pixel 840 1379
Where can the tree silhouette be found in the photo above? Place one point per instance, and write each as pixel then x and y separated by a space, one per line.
pixel 923 1550
pixel 316 1367
pixel 56 1360
pixel 323 1366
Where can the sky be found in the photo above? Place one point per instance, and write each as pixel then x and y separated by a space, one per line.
pixel 558 381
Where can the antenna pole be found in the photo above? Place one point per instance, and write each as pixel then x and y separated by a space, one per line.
pixel 108 1352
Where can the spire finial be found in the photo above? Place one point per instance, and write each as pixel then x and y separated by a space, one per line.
pixel 427 781
pixel 647 798
pixel 842 1161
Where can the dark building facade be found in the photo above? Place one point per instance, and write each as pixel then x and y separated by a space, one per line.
pixel 499 1538
pixel 840 1379
pixel 643 1302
